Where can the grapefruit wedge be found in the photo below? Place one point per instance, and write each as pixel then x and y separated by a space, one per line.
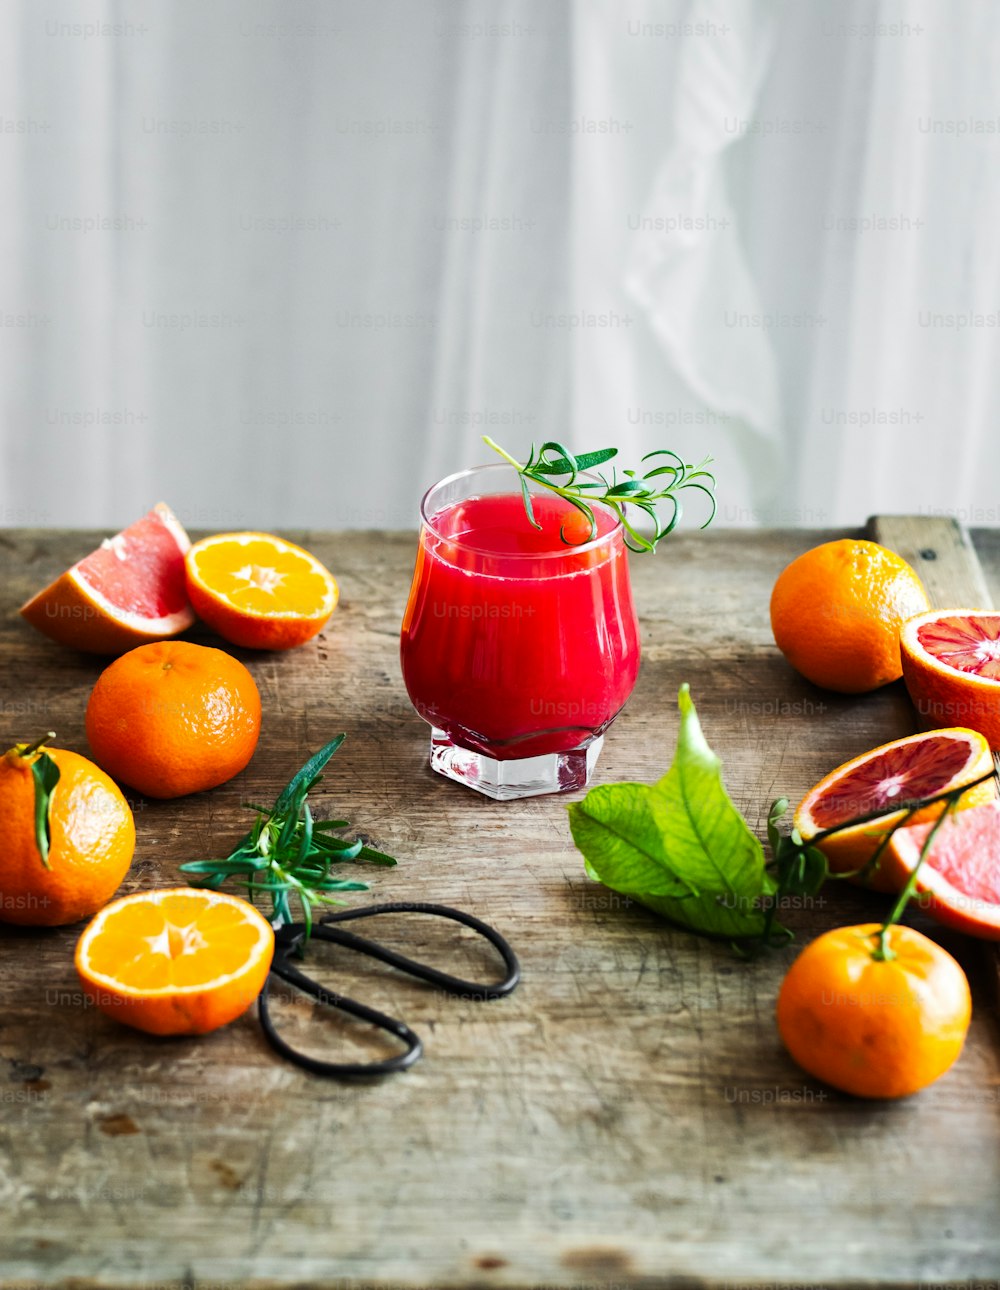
pixel 959 882
pixel 128 592
pixel 918 766
pixel 951 666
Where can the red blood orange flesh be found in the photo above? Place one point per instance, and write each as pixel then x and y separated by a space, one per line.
pixel 951 665
pixel 959 882
pixel 920 765
pixel 128 592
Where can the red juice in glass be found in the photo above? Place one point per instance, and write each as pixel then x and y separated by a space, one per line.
pixel 518 647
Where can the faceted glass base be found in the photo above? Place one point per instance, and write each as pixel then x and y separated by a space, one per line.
pixel 525 777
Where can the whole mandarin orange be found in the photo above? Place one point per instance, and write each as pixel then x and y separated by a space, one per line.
pixel 836 612
pixel 874 1027
pixel 91 840
pixel 173 718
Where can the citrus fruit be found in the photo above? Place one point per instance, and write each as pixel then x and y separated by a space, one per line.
pixel 259 591
pixel 874 1027
pixel 836 613
pixel 173 718
pixel 177 961
pixel 129 591
pixel 920 765
pixel 90 834
pixel 951 666
pixel 959 882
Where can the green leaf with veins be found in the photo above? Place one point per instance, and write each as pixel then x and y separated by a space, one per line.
pixel 679 846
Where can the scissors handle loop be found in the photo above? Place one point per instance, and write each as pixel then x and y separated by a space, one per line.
pixel 290 939
pixel 287 972
pixel 477 990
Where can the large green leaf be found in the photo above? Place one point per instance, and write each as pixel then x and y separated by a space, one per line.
pixel 679 846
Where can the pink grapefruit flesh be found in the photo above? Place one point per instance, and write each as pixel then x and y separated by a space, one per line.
pixel 959 881
pixel 130 591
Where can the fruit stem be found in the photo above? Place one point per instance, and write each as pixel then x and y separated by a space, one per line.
pixel 506 455
pixel 871 866
pixel 882 951
pixel 30 749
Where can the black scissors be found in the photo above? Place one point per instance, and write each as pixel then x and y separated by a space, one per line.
pixel 289 943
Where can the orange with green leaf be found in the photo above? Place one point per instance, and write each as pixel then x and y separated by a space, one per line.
pixel 69 836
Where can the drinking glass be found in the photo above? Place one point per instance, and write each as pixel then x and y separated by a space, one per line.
pixel 519 645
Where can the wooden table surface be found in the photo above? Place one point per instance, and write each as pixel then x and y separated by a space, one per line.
pixel 627 1118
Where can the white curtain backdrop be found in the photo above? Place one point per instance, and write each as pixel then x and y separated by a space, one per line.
pixel 282 263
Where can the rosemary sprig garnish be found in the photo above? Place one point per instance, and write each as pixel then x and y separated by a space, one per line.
pixel 288 853
pixel 661 483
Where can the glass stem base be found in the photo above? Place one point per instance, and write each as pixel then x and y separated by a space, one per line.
pixel 560 772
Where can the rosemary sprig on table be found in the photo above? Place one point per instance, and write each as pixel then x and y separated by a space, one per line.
pixel 288 853
pixel 659 484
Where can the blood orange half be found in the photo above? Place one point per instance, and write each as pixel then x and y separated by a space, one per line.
pixel 951 665
pixel 918 766
pixel 130 591
pixel 959 882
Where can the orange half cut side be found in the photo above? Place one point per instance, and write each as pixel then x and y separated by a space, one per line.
pixel 259 591
pixel 951 666
pixel 175 961
pixel 919 765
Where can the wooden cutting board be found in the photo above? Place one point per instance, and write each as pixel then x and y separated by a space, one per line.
pixel 628 1118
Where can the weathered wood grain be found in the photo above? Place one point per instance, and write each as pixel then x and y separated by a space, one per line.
pixel 941 551
pixel 627 1118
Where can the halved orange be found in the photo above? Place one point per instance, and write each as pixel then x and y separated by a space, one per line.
pixel 177 961
pixel 918 766
pixel 951 666
pixel 258 590
pixel 126 593
pixel 959 882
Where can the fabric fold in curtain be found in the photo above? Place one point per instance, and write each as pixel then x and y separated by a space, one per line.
pixel 901 407
pixel 658 262
pixel 359 236
pixel 345 249
pixel 687 267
